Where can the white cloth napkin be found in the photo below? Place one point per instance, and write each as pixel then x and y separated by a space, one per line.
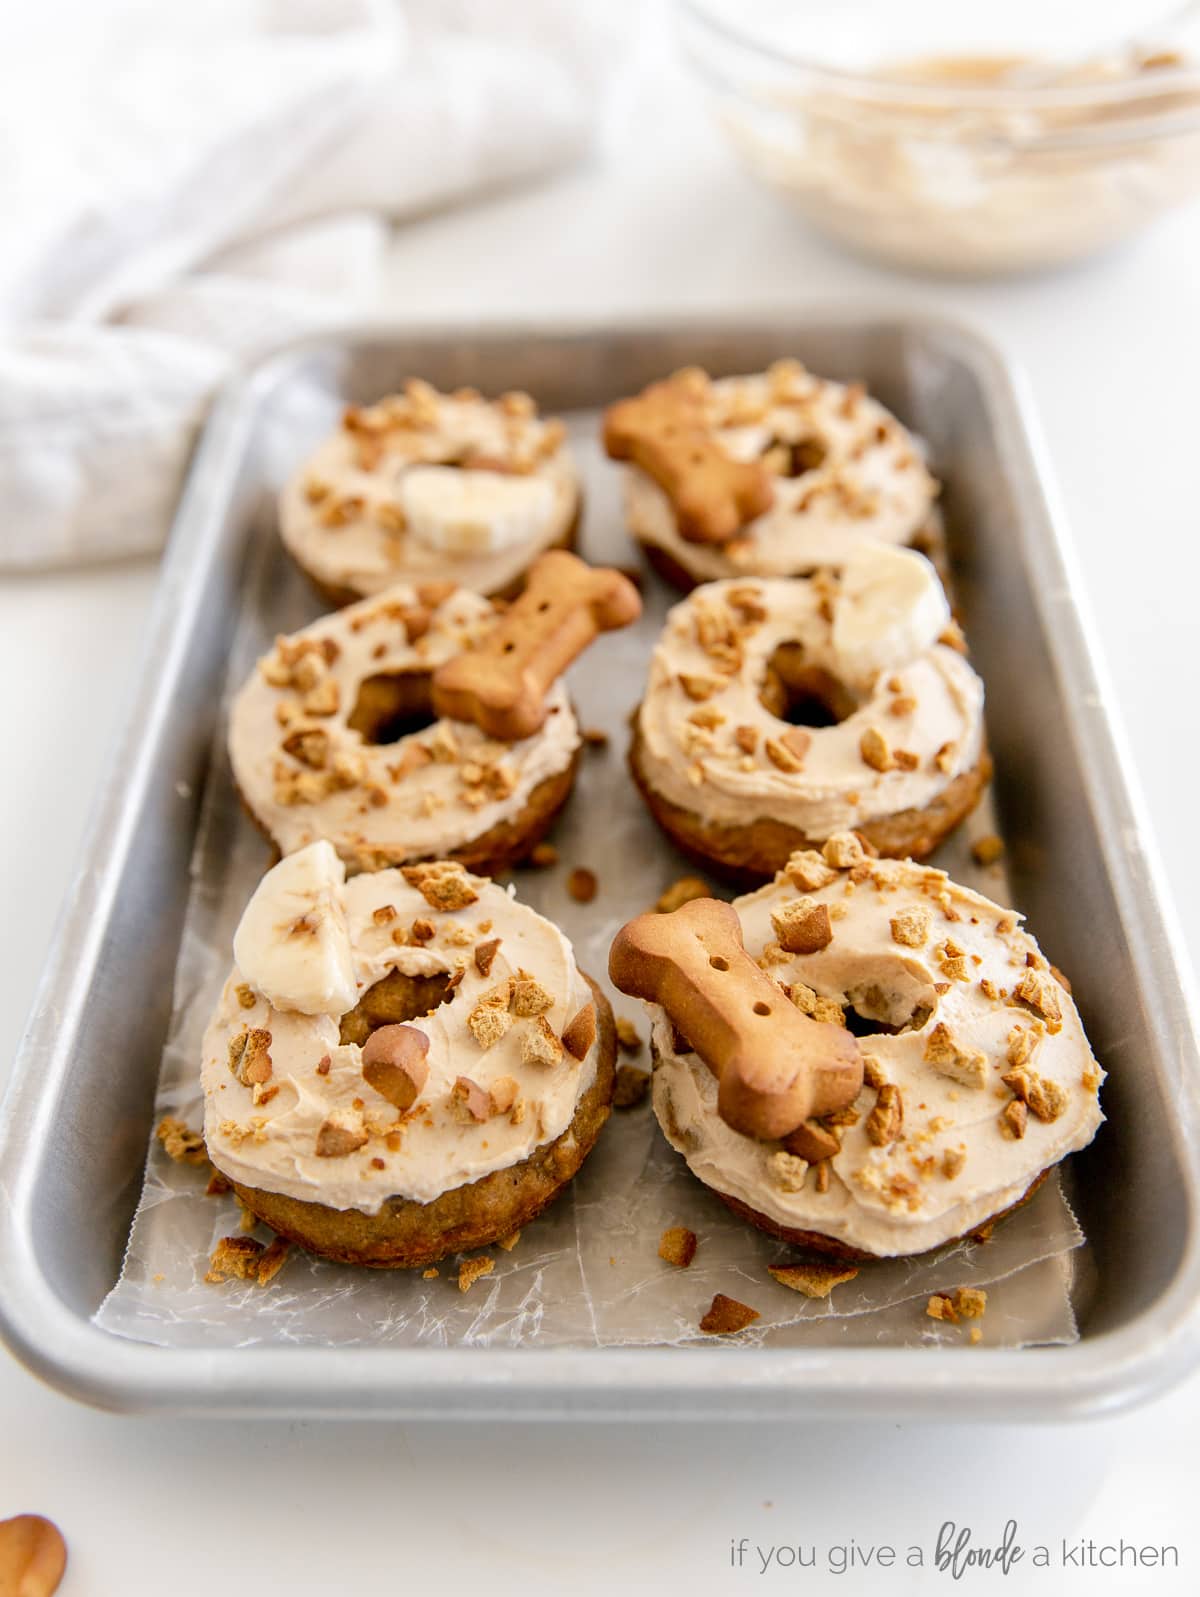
pixel 185 186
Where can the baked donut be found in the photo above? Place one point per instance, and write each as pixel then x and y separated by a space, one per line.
pixel 769 475
pixel 430 487
pixel 340 733
pixel 403 1065
pixel 977 1077
pixel 901 758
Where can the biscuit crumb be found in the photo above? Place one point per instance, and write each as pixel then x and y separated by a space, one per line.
pixel 813 1280
pixel 677 1246
pixel 529 998
pixel 485 954
pixel 582 885
pixel 786 1171
pixel 987 850
pixel 965 1065
pixel 802 926
pixel 952 1162
pixel 629 1039
pixel 911 925
pixel 470 1270
pixel 431 1274
pixel 886 1120
pixel 809 871
pixel 843 850
pixel 543 855
pixel 245 995
pixel 875 749
pixel 180 1142
pixel 630 1088
pixel 581 1032
pixel 539 1044
pixel 443 884
pixel 684 891
pixel 509 1242
pixel 725 1316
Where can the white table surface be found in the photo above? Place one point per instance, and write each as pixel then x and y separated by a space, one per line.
pixel 192 1508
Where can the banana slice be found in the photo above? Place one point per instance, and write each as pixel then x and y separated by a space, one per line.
pixel 467 512
pixel 890 609
pixel 292 942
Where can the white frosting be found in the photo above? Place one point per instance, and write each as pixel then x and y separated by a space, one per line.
pixel 871 484
pixel 897 1199
pixel 421 797
pixel 344 516
pixel 432 1148
pixel 702 767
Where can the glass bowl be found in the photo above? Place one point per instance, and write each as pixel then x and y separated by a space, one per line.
pixel 959 138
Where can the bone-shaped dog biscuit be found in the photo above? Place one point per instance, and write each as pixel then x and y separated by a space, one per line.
pixel 775 1067
pixel 501 683
pixel 664 431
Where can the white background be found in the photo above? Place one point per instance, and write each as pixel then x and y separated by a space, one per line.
pixel 191 1508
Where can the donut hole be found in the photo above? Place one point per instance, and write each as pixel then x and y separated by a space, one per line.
pixel 802 694
pixel 795 457
pixel 888 1007
pixel 392 705
pixel 393 999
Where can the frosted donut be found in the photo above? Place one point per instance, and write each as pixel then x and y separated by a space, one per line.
pixel 979 1077
pixel 403 1065
pixel 735 784
pixel 430 487
pixel 320 744
pixel 840 469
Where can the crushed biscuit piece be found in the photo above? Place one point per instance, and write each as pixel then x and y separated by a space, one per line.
pixel 509 1242
pixel 698 688
pixel 443 884
pixel 987 850
pixel 470 1270
pixel 786 1171
pixel 503 1095
pixel 683 891
pixel 677 1246
pixel 630 1087
pixel 970 1302
pixel 1014 1119
pixel 1046 1098
pixel 886 1120
pixel 539 1044
pixel 582 885
pixel 469 1100
pixel 485 954
pixel 529 998
pixel 746 738
pixel 237 1257
pixel 431 1274
pixel 911 925
pixel 245 995
pixel 965 1065
pixel 802 926
pixel 843 850
pixel 490 1019
pixel 783 756
pixel 876 750
pixel 272 1260
pixel 809 871
pixel 342 1132
pixel 945 757
pixel 726 1316
pixel 1038 991
pixel 629 1039
pixel 543 855
pixel 249 1056
pixel 953 1160
pixel 940 1307
pixel 580 1033
pixel 180 1142
pixel 811 1003
pixel 813 1280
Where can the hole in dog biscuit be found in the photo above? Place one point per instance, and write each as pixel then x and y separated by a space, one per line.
pixel 803 694
pixel 762 1009
pixel 391 1001
pixel 392 705
pixel 719 962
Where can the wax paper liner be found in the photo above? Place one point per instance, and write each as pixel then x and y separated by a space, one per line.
pixel 587 1273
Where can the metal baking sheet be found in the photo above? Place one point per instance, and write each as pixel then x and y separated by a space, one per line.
pixel 77 1121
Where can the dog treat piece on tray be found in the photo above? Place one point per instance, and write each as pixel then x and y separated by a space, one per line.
pixel 431 487
pixel 977 1077
pixel 403 1065
pixel 769 475
pixel 779 711
pixel 338 733
pixel 775 1067
pixel 501 682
